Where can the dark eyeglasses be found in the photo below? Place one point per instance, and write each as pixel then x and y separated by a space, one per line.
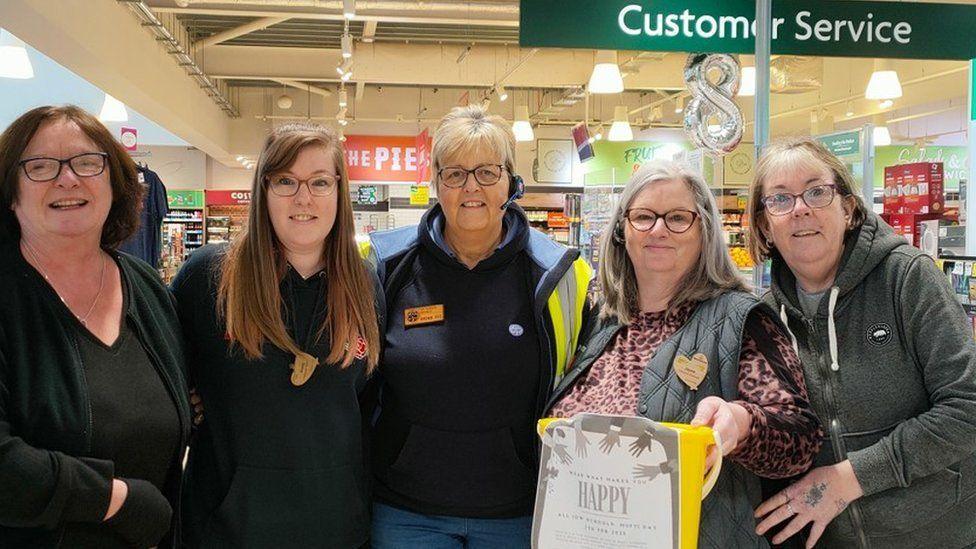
pixel 677 220
pixel 485 175
pixel 816 197
pixel 45 169
pixel 320 185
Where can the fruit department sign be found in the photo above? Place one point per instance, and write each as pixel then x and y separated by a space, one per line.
pixel 869 29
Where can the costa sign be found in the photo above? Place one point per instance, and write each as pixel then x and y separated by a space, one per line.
pixel 228 198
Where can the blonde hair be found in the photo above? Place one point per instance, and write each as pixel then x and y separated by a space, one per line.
pixel 784 156
pixel 467 129
pixel 713 274
pixel 249 298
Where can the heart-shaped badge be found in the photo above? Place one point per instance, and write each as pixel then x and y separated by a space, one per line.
pixel 691 370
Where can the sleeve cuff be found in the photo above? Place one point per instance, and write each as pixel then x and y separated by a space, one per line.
pixel 90 501
pixel 874 470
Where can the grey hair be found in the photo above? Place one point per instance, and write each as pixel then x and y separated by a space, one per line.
pixel 465 129
pixel 713 274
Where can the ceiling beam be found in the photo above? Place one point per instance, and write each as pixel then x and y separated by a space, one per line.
pixel 247 28
pixel 381 18
pixel 304 87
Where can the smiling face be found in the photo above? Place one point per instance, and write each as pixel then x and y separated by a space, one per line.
pixel 811 240
pixel 473 207
pixel 660 251
pixel 70 206
pixel 302 222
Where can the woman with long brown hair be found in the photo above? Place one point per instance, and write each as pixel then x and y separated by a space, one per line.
pixel 281 332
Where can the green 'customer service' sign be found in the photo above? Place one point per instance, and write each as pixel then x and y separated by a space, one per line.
pixel 803 27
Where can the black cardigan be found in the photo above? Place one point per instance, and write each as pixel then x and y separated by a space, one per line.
pixel 45 417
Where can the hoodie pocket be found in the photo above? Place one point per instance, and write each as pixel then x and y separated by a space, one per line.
pixel 291 508
pixel 905 510
pixel 461 469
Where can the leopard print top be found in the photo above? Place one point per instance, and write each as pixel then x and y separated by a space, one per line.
pixel 785 434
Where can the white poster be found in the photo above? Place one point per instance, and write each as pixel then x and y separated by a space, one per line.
pixel 608 482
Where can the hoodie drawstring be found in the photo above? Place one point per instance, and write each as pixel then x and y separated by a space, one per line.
pixel 832 328
pixel 786 322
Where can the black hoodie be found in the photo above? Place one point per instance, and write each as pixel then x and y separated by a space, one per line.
pixel 273 465
pixel 456 435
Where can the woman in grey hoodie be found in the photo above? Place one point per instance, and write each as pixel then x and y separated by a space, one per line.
pixel 889 359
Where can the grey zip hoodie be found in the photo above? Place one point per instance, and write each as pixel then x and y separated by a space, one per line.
pixel 890 365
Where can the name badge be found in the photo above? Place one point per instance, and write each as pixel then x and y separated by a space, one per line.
pixel 420 316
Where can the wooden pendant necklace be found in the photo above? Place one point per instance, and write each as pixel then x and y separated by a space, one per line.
pixel 101 284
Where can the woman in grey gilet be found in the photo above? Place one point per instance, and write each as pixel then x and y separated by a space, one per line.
pixel 675 303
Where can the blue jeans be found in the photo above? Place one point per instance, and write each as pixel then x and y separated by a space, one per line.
pixel 398 529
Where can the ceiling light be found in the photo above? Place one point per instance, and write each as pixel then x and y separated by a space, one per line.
pixel 598 134
pixel 606 73
pixel 284 101
pixel 113 110
pixel 884 83
pixel 349 8
pixel 14 62
pixel 464 54
pixel 657 113
pixel 343 98
pixel 500 92
pixel 620 130
pixel 346 77
pixel 522 128
pixel 747 82
pixel 882 137
pixel 850 109
pixel 886 104
pixel 346 42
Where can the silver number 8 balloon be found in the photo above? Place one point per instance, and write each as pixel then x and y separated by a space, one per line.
pixel 710 100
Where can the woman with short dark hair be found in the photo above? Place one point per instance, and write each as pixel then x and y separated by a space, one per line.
pixel 94 415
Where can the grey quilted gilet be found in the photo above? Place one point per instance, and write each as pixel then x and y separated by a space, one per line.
pixel 715 329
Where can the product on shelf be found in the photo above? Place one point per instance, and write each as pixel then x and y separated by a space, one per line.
pixel 914 188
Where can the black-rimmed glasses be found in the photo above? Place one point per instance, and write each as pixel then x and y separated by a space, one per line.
pixel 816 197
pixel 485 175
pixel 677 220
pixel 320 185
pixel 43 169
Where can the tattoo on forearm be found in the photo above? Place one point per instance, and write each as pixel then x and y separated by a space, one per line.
pixel 841 505
pixel 815 494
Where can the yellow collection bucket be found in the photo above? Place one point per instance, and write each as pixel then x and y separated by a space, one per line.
pixel 569 517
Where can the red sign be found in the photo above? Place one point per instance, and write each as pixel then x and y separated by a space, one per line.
pixel 228 198
pixel 423 157
pixel 384 157
pixel 557 220
pixel 129 138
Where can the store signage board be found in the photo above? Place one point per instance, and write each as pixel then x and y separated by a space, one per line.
pixel 626 156
pixel 842 144
pixel 383 158
pixel 954 160
pixel 903 30
pixel 228 198
pixel 184 199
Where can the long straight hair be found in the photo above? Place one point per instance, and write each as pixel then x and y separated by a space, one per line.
pixel 249 296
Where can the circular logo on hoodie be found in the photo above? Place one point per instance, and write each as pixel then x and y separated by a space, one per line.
pixel 879 334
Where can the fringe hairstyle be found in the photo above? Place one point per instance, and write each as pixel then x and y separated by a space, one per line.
pixel 249 298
